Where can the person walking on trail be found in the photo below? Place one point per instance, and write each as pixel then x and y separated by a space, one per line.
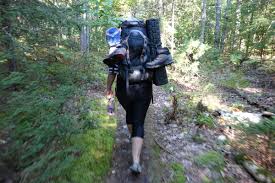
pixel 131 64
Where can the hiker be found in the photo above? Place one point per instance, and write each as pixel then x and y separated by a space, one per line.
pixel 130 63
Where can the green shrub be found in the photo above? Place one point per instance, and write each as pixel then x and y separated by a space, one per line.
pixel 57 133
pixel 265 127
pixel 235 80
pixel 211 159
pixel 198 138
pixel 206 120
pixel 236 58
pixel 178 170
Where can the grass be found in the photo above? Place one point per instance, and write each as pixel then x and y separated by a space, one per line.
pixel 198 139
pixel 205 120
pixel 178 171
pixel 235 80
pixel 211 159
pixel 156 151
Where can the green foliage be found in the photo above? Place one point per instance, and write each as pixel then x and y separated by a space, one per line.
pixel 236 58
pixel 268 66
pixel 235 80
pixel 197 49
pixel 206 120
pixel 57 134
pixel 264 127
pixel 211 159
pixel 198 139
pixel 94 147
pixel 178 171
pixel 212 57
pixel 43 124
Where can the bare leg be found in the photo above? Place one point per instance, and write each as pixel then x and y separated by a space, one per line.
pixel 136 148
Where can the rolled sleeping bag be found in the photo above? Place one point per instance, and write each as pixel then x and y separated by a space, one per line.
pixel 153 31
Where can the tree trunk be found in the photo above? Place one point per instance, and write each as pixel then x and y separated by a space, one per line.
pixel 160 6
pixel 203 20
pixel 225 27
pixel 173 27
pixel 84 35
pixel 217 27
pixel 248 41
pixel 236 34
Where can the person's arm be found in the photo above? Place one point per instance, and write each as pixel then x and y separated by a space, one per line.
pixel 110 80
pixel 113 71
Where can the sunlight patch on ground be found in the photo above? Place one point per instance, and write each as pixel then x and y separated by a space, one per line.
pixel 241 117
pixel 213 102
pixel 253 90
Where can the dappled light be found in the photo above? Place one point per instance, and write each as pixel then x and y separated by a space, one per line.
pixel 212 106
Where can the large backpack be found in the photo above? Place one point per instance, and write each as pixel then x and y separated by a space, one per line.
pixel 134 39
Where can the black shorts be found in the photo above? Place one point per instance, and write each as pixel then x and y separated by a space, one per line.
pixel 135 103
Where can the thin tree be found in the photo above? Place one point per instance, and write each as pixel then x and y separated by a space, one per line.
pixel 84 35
pixel 217 27
pixel 203 20
pixel 236 33
pixel 249 35
pixel 173 27
pixel 225 27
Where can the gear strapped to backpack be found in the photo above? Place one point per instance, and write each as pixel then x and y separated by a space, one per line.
pixel 136 50
pixel 134 39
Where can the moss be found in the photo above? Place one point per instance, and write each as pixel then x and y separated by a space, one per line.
pixel 94 159
pixel 178 170
pixel 211 159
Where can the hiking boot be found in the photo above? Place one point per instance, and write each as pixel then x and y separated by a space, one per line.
pixel 160 61
pixel 135 168
pixel 117 54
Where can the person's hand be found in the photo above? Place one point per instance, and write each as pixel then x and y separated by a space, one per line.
pixel 109 94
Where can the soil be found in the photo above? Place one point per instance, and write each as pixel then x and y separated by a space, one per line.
pixel 122 158
pixel 175 144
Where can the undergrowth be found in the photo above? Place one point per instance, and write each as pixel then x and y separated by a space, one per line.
pixel 178 173
pixel 205 120
pixel 211 159
pixel 57 133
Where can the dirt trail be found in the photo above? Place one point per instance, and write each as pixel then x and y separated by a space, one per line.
pixel 122 158
pixel 175 144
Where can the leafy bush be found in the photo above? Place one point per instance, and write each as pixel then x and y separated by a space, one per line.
pixel 196 49
pixel 213 58
pixel 235 80
pixel 236 58
pixel 206 120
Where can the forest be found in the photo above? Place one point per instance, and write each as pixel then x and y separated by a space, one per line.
pixel 213 122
